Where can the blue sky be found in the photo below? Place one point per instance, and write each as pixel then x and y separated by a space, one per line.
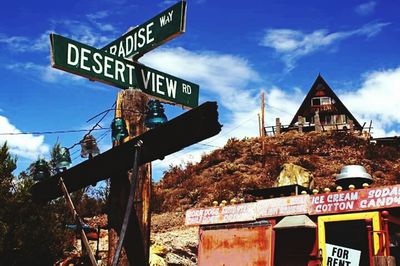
pixel 233 49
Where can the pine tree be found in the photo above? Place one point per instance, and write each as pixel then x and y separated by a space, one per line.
pixel 30 233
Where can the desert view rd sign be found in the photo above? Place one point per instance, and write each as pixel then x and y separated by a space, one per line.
pixel 110 65
pixel 84 60
pixel 154 32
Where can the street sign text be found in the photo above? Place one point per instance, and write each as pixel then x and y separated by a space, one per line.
pixel 154 32
pixel 89 62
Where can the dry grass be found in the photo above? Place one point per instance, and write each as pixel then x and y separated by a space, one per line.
pixel 226 172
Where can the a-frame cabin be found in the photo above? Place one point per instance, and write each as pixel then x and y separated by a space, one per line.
pixel 333 114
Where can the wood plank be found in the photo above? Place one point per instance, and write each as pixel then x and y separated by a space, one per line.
pixel 191 127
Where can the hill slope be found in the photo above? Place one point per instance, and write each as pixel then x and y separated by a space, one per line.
pixel 226 172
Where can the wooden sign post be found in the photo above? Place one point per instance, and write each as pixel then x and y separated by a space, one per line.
pixel 112 65
pixel 137 241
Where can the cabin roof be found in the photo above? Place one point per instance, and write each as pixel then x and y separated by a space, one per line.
pixel 319 86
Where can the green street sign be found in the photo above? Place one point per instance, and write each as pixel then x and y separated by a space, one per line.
pixel 94 64
pixel 154 32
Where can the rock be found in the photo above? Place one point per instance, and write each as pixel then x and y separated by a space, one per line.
pixel 292 174
pixel 379 174
pixel 181 245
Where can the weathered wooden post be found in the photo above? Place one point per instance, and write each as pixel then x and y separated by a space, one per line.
pixel 131 105
pixel 262 115
pixel 301 123
pixel 351 125
pixel 384 261
pixel 110 65
pixel 317 122
pixel 277 126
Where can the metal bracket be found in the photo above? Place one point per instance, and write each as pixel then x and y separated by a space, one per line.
pixel 133 175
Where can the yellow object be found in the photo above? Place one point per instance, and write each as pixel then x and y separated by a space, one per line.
pixel 215 203
pixel 365 185
pixel 347 217
pixel 292 174
pixel 223 203
pixel 327 190
pixel 315 191
pixel 339 189
pixel 352 187
pixel 156 251
pixel 156 260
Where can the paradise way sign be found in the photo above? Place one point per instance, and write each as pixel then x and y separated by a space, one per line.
pixel 84 60
pixel 151 34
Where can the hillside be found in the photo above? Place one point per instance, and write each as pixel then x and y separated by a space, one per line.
pixel 226 172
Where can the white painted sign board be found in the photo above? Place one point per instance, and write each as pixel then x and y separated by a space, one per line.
pixel 337 255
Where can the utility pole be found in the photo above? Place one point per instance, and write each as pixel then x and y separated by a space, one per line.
pixel 197 124
pixel 262 115
pixel 131 106
pixel 189 128
pixel 263 128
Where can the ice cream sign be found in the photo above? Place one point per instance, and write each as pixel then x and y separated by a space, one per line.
pixel 356 200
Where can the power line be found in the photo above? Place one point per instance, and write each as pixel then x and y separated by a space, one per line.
pixel 102 136
pixel 49 132
pixel 76 157
pixel 204 144
pixel 99 138
pixel 208 143
pixel 73 153
pixel 278 109
pixel 113 109
pixel 233 129
pixel 94 127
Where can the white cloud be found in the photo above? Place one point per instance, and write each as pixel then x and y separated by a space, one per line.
pixel 42 43
pixel 95 18
pixel 279 103
pixel 223 76
pixel 378 100
pixel 16 43
pixel 84 32
pixel 45 72
pixel 229 80
pixel 366 8
pixel 92 32
pixel 22 44
pixel 292 45
pixel 98 15
pixel 26 146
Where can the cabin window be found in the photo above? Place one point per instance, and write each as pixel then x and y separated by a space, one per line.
pixel 316 101
pixel 328 119
pixel 340 119
pixel 321 101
